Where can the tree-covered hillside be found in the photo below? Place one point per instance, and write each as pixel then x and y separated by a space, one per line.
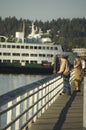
pixel 70 33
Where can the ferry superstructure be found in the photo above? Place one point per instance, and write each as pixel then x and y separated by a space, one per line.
pixel 24 53
pixel 29 55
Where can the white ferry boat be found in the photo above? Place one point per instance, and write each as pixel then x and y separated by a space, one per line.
pixel 29 57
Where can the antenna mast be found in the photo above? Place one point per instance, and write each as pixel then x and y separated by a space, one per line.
pixel 23 31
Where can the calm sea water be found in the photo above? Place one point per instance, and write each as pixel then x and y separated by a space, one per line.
pixel 9 82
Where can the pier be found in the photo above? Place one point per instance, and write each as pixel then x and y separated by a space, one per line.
pixel 38 106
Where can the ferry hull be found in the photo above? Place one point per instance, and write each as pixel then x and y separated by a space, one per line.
pixel 26 70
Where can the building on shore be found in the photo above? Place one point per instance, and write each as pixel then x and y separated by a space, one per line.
pixel 80 51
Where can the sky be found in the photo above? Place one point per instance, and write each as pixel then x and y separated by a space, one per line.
pixel 43 9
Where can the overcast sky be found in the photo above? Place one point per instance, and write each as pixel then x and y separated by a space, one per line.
pixel 43 9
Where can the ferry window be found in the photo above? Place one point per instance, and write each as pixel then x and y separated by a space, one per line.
pixel 48 55
pixel 0 46
pixel 13 54
pixel 56 48
pixel 40 55
pixel 6 54
pixel 9 54
pixel 51 48
pixel 43 55
pixel 27 47
pixel 43 47
pixel 35 47
pixel 4 46
pixel 8 46
pixel 31 55
pixel 31 47
pixel 25 54
pixel 47 48
pixel 13 46
pixel 22 47
pixel 35 55
pixel 27 61
pixel 0 53
pixel 33 62
pixel 22 61
pixel 6 61
pixel 51 55
pixel 18 46
pixel 16 54
pixel 39 47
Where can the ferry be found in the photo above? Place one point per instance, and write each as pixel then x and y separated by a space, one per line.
pixel 30 57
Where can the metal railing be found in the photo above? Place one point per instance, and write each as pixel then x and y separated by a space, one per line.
pixel 84 104
pixel 21 107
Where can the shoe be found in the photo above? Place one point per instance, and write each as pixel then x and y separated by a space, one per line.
pixel 62 93
pixel 69 94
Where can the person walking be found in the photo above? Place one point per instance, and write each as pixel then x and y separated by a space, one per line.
pixel 65 72
pixel 78 71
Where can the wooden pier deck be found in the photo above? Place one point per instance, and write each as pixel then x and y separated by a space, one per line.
pixel 66 113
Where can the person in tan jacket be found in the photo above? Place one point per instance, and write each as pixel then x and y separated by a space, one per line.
pixel 78 72
pixel 65 72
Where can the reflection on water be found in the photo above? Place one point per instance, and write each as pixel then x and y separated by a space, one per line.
pixel 10 82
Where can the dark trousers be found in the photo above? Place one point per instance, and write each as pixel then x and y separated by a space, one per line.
pixel 66 83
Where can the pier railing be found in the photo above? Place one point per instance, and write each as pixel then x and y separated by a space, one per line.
pixel 21 107
pixel 84 104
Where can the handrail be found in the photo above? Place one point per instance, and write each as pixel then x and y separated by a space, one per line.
pixel 20 91
pixel 24 105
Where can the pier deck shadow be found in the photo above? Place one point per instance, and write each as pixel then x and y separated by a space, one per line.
pixel 66 113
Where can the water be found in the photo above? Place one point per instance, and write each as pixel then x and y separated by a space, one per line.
pixel 9 82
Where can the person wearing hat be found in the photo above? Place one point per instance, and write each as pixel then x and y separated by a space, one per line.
pixel 65 72
pixel 78 72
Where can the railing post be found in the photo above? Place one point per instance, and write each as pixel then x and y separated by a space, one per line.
pixel 9 115
pixel 30 112
pixel 84 105
pixel 17 113
pixel 35 107
pixel 40 102
pixel 0 119
pixel 24 108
